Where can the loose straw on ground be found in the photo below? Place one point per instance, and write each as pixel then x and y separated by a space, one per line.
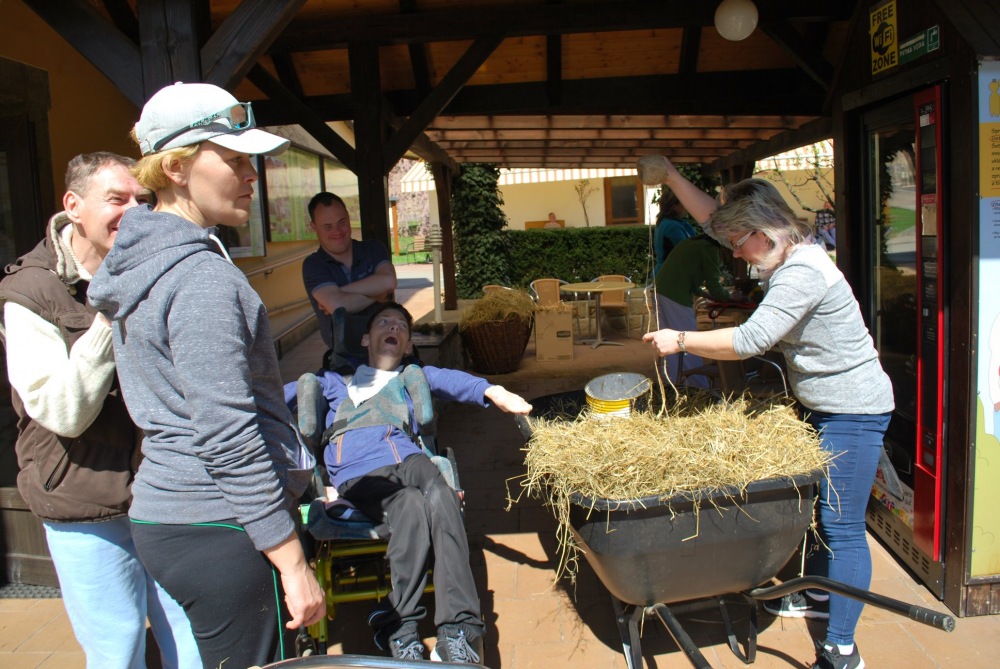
pixel 699 447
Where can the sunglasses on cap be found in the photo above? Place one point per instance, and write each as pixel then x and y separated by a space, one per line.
pixel 237 117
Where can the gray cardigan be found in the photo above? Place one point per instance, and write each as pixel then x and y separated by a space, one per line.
pixel 810 313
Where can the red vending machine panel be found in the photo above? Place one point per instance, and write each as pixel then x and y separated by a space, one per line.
pixel 929 466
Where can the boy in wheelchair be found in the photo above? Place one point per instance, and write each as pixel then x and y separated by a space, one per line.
pixel 374 461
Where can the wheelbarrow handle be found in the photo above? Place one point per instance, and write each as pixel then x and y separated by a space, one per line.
pixel 524 424
pixel 920 614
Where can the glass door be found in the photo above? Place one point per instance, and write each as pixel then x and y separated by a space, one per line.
pixel 891 202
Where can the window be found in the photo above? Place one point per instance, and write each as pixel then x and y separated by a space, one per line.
pixel 622 201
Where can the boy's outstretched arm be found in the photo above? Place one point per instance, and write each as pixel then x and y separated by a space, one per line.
pixel 506 400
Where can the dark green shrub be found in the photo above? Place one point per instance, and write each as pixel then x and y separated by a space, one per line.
pixel 481 245
pixel 579 254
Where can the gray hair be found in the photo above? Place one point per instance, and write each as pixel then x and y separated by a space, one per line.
pixel 82 168
pixel 756 205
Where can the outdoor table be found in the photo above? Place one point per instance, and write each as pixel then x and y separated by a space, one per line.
pixel 597 287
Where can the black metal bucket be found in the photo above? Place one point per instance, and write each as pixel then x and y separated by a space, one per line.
pixel 650 551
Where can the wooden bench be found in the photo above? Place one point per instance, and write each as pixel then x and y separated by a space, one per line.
pixel 416 247
pixel 539 225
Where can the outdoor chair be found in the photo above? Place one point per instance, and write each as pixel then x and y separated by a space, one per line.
pixel 546 292
pixel 491 287
pixel 417 247
pixel 616 299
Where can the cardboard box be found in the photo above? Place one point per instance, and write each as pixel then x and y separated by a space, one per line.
pixel 554 334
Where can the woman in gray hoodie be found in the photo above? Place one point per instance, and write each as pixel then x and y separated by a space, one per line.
pixel 213 498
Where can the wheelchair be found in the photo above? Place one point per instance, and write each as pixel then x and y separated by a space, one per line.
pixel 349 553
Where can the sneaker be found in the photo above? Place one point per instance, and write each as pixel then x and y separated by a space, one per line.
pixel 829 657
pixel 407 648
pixel 797 605
pixel 454 645
pixel 402 642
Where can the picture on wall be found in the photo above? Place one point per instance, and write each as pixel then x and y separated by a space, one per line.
pixel 292 179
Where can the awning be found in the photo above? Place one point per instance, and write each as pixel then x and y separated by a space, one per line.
pixel 418 179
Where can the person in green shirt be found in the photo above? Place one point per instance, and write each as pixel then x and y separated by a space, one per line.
pixel 693 269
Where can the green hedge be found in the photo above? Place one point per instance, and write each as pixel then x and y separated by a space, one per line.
pixel 579 254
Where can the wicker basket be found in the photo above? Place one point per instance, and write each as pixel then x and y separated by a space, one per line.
pixel 496 347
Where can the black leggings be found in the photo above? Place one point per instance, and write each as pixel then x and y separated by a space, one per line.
pixel 228 588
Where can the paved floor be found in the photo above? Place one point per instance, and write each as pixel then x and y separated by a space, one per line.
pixel 532 620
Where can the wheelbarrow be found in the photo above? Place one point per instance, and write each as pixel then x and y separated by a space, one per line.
pixel 663 557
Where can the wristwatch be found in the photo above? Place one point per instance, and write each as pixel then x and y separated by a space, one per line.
pixel 680 342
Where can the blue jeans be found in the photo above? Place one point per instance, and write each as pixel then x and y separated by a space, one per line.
pixel 855 441
pixel 108 595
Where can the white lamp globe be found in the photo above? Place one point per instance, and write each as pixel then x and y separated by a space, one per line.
pixel 736 19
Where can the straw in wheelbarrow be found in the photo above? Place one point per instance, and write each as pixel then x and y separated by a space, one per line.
pixel 699 447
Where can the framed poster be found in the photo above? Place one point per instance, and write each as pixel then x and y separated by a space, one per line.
pixel 292 179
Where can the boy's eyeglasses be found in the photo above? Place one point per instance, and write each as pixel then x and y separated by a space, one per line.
pixel 238 117
pixel 743 240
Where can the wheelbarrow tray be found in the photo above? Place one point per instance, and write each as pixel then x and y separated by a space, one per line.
pixel 652 550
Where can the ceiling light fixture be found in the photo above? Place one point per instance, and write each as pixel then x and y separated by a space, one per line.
pixel 736 19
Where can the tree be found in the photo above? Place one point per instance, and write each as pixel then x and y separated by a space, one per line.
pixel 815 164
pixel 583 191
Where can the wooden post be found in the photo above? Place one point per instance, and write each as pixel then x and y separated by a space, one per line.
pixel 366 94
pixel 442 185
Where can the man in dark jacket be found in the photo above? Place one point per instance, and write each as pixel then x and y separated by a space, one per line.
pixel 77 448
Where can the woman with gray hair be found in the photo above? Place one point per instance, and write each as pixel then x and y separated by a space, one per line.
pixel 809 312
pixel 212 510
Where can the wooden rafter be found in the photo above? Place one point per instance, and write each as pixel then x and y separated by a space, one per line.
pixel 170 36
pixel 243 38
pixel 308 119
pixel 438 98
pixel 543 19
pixel 111 52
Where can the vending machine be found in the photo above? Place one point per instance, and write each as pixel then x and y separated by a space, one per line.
pixel 907 236
pixel 931 350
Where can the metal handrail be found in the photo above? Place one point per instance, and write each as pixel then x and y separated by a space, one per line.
pixel 281 263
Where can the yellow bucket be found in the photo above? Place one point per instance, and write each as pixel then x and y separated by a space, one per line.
pixel 615 394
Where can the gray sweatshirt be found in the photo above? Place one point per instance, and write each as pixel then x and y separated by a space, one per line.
pixel 810 313
pixel 200 377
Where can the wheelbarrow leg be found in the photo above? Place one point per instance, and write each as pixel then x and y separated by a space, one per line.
pixel 734 645
pixel 681 637
pixel 628 618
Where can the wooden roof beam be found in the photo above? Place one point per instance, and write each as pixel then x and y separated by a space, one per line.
pixel 438 98
pixel 690 43
pixel 111 52
pixel 650 121
pixel 123 17
pixel 600 134
pixel 170 37
pixel 815 131
pixel 306 117
pixel 784 92
pixel 542 19
pixel 805 54
pixel 288 76
pixel 618 144
pixel 243 38
pixel 418 55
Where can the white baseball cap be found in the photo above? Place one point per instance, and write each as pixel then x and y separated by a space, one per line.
pixel 185 114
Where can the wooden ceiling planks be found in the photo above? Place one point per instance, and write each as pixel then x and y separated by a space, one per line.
pixel 626 75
